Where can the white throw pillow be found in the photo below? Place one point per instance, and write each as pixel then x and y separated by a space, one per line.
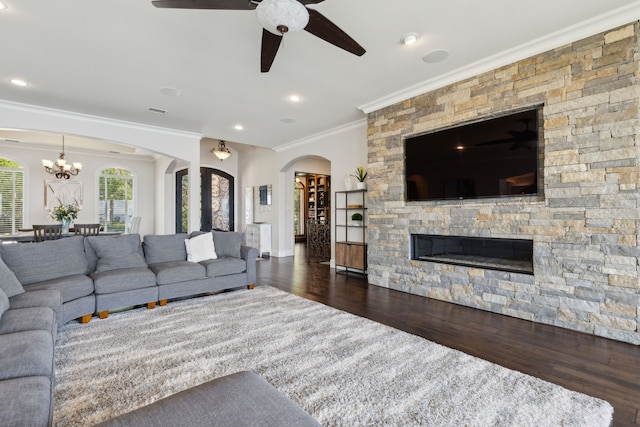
pixel 200 248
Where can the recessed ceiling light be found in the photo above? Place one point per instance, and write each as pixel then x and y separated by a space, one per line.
pixel 170 91
pixel 238 127
pixel 410 38
pixel 295 98
pixel 436 56
pixel 19 82
pixel 3 5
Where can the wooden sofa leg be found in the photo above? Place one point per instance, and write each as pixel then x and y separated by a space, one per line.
pixel 163 302
pixel 103 314
pixel 151 305
pixel 251 286
pixel 86 318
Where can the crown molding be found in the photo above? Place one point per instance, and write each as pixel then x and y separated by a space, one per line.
pixel 95 119
pixel 320 135
pixel 598 24
pixel 35 146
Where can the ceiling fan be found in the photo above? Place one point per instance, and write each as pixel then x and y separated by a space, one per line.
pixel 519 139
pixel 277 17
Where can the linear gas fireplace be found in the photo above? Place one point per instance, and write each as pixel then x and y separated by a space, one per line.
pixel 511 255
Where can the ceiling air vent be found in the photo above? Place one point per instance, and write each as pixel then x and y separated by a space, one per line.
pixel 157 110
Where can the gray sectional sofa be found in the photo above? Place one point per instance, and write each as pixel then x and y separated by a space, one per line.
pixel 46 284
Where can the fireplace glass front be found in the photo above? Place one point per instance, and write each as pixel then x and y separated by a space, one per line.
pixel 511 255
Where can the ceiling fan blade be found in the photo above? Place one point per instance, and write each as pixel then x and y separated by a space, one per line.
pixel 321 27
pixel 270 45
pixel 205 4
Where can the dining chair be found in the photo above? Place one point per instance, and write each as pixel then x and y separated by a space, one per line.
pixel 47 232
pixel 86 229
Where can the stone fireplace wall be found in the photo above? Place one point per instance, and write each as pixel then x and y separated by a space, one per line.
pixel 584 226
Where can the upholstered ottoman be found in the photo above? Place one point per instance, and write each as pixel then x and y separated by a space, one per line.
pixel 240 399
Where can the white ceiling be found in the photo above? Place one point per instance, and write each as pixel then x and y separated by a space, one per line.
pixel 111 58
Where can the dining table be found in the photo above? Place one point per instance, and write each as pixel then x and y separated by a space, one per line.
pixel 25 235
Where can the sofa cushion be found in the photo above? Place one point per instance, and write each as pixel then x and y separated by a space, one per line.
pixel 51 259
pixel 240 399
pixel 9 283
pixel 71 287
pixel 177 271
pixel 224 266
pixel 26 401
pixel 227 243
pixel 200 248
pixel 111 281
pixel 4 303
pixel 163 248
pixel 27 353
pixel 116 252
pixel 29 319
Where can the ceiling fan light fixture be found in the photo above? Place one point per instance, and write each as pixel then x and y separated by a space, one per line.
pixel 282 16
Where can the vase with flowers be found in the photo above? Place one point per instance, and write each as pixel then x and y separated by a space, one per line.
pixel 361 175
pixel 64 214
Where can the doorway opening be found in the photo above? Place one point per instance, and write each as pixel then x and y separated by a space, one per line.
pixel 312 214
pixel 299 211
pixel 216 206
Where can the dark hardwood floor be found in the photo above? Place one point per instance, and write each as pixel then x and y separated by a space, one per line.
pixel 595 366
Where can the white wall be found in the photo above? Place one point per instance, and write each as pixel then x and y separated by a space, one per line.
pixel 345 149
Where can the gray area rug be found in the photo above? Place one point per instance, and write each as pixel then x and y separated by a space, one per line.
pixel 342 369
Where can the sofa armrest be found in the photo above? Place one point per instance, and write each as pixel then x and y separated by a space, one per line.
pixel 249 254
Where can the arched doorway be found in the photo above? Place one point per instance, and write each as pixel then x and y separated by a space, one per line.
pixel 216 206
pixel 307 183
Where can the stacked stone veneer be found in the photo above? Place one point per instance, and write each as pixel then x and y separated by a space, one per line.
pixel 584 226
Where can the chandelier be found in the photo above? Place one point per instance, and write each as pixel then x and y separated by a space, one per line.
pixel 222 152
pixel 60 168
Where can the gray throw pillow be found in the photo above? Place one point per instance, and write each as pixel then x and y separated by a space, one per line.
pixel 117 252
pixel 8 281
pixel 4 302
pixel 227 243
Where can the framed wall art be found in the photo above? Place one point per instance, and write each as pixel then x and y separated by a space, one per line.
pixel 62 193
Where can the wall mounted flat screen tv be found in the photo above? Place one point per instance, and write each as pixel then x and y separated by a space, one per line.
pixel 497 157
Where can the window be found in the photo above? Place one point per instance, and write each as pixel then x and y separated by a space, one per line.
pixel 116 199
pixel 11 197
